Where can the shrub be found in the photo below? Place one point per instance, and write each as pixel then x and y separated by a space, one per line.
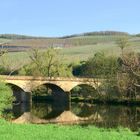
pixel 6 98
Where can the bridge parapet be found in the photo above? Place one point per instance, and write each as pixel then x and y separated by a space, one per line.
pixel 28 83
pixel 48 78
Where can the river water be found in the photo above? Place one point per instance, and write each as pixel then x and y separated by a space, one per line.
pixel 108 116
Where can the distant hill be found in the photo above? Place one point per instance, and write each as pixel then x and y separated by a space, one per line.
pixel 16 36
pixel 14 42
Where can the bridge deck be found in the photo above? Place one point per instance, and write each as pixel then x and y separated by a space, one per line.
pixel 30 78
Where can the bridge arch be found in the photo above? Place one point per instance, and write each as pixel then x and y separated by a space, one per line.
pixel 19 85
pixel 54 90
pixel 19 93
pixel 84 90
pixel 93 85
pixel 51 83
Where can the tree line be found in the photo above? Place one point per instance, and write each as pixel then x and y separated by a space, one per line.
pixel 98 33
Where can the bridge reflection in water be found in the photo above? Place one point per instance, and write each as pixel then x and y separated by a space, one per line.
pixel 84 113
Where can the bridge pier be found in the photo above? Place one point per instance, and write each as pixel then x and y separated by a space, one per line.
pixel 22 97
pixel 29 97
pixel 26 97
pixel 69 99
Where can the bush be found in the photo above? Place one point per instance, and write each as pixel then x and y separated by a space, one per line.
pixel 6 98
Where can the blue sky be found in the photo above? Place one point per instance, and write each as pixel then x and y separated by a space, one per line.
pixel 65 17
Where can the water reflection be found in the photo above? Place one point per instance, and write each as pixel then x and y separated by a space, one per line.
pixel 49 110
pixel 112 116
pixel 20 108
pixel 100 115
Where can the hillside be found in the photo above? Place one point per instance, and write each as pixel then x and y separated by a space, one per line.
pixel 77 43
pixel 73 49
pixel 16 43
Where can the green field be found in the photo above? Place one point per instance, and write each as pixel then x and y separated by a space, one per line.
pixel 9 131
pixel 73 49
pixel 77 53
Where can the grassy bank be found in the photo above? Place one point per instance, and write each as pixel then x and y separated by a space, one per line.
pixel 10 131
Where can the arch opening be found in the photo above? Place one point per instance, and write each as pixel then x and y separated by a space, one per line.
pixel 20 95
pixel 51 92
pixel 21 102
pixel 83 92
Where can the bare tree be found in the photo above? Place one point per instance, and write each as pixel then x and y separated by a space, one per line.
pixel 130 73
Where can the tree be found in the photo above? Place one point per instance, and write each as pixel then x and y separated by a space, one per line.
pixel 6 98
pixel 129 74
pixel 123 43
pixel 50 62
pixel 99 65
pixel 103 67
pixel 6 95
pixel 46 63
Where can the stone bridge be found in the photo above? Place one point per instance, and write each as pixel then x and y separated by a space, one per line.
pixel 28 83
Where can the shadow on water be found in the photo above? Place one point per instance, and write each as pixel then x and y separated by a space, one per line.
pixel 107 116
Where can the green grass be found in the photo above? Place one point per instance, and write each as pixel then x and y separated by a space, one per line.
pixel 9 131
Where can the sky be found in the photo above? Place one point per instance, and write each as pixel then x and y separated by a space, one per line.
pixel 65 17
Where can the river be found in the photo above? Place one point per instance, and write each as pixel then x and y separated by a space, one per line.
pixel 107 116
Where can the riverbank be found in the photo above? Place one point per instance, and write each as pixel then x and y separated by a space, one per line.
pixel 59 132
